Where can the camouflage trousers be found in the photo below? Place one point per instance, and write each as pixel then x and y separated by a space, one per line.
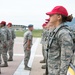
pixel 0 58
pixel 44 52
pixel 4 53
pixel 10 49
pixel 55 69
pixel 27 56
pixel 1 47
pixel 0 54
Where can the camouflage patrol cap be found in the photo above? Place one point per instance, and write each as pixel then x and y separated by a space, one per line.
pixel 29 26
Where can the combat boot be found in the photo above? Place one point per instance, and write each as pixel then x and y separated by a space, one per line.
pixel 10 59
pixel 42 61
pixel 43 67
pixel 5 64
pixel 27 68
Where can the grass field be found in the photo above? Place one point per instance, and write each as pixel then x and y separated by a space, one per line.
pixel 36 33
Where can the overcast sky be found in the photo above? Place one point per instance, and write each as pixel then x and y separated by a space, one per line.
pixel 31 11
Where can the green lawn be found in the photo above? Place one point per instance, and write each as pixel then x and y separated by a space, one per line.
pixel 36 33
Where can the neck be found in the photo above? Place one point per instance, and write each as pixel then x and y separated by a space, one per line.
pixel 57 24
pixel 30 30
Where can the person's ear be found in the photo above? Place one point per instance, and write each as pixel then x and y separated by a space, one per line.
pixel 59 17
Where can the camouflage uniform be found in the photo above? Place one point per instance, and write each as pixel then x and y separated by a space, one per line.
pixel 60 52
pixel 46 53
pixel 27 36
pixel 2 42
pixel 74 47
pixel 7 37
pixel 44 42
pixel 10 48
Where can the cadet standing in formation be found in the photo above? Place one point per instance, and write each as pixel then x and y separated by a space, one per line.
pixel 60 45
pixel 7 35
pixel 6 39
pixel 50 28
pixel 27 46
pixel 2 44
pixel 44 42
pixel 10 48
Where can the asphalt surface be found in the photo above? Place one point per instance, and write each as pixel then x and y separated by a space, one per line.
pixel 16 67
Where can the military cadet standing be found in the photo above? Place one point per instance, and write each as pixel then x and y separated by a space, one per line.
pixel 43 41
pixel 50 28
pixel 2 44
pixel 27 46
pixel 10 48
pixel 7 35
pixel 60 46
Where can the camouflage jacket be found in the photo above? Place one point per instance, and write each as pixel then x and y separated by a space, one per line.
pixel 6 33
pixel 60 52
pixel 2 39
pixel 45 35
pixel 11 30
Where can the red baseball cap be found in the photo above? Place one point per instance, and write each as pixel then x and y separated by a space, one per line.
pixel 3 22
pixel 47 19
pixel 9 24
pixel 44 25
pixel 46 22
pixel 58 10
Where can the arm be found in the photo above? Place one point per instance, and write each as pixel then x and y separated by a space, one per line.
pixel 29 44
pixel 13 34
pixel 3 39
pixel 29 41
pixel 9 35
pixel 66 44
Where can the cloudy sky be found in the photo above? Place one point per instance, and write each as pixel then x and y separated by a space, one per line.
pixel 27 12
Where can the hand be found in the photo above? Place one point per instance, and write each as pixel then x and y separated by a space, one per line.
pixel 28 48
pixel 11 42
pixel 4 46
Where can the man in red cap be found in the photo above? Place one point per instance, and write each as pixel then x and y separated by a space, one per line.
pixel 42 41
pixel 10 48
pixel 2 45
pixel 7 37
pixel 49 29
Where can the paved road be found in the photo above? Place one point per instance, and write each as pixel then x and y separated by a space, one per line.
pixel 17 66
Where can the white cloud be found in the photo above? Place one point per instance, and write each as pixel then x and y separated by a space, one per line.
pixel 31 11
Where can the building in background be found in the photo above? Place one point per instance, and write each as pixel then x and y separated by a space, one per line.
pixel 19 27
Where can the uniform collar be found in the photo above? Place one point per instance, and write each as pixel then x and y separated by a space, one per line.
pixel 58 27
pixel 30 30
